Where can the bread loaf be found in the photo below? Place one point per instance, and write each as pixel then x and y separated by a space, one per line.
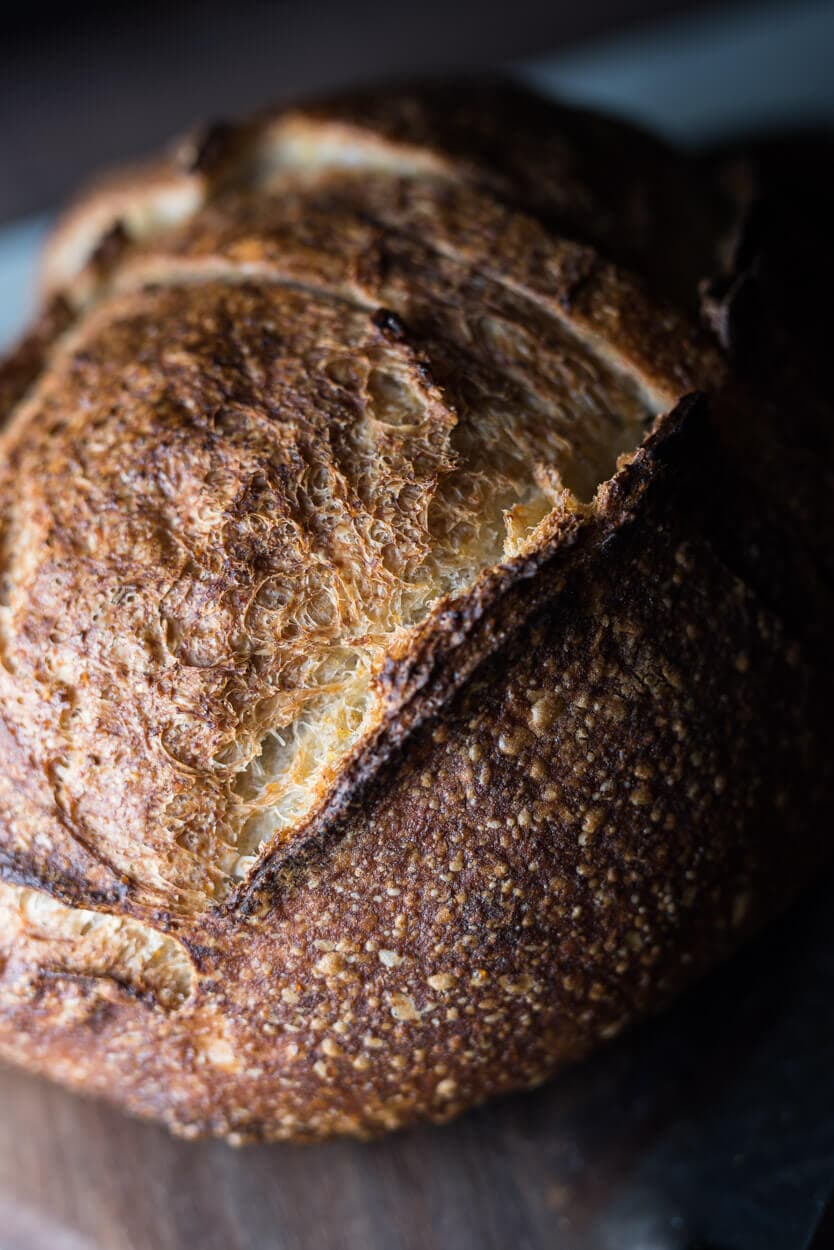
pixel 413 641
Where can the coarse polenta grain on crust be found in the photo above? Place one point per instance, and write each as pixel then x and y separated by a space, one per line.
pixel 407 677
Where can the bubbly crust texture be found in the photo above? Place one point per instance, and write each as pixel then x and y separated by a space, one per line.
pixel 407 679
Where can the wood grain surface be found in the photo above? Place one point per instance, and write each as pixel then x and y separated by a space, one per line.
pixel 711 1128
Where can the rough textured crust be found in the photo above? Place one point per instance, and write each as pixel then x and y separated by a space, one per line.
pixel 343 410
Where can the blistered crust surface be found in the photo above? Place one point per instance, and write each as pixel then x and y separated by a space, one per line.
pixel 379 727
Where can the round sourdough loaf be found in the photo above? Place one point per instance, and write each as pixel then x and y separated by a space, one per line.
pixel 413 625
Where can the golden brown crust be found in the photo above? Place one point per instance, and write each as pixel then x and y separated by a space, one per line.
pixel 379 728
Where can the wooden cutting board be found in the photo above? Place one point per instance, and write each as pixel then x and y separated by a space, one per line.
pixel 712 1127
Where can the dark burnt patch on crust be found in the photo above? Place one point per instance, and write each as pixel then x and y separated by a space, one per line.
pixel 388 323
pixel 73 887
